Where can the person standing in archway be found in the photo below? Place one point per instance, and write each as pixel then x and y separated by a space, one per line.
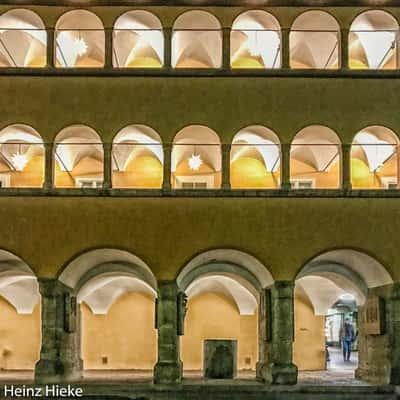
pixel 347 336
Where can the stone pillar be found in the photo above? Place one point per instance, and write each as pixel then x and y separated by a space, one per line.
pixel 285 48
pixel 108 48
pixel 51 50
pixel 285 167
pixel 346 166
pixel 226 166
pixel 226 49
pixel 107 166
pixel 60 351
pixel 344 49
pixel 48 166
pixel 276 354
pixel 395 333
pixel 167 48
pixel 169 366
pixel 167 167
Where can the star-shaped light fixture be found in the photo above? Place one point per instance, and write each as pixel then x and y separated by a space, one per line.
pixel 80 47
pixel 195 162
pixel 19 161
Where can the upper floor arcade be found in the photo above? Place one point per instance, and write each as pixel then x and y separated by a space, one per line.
pixel 180 40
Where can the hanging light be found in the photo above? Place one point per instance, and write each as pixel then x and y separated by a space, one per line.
pixel 195 162
pixel 19 161
pixel 80 47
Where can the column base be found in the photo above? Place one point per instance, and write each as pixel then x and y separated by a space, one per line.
pixel 56 371
pixel 279 374
pixel 395 376
pixel 168 372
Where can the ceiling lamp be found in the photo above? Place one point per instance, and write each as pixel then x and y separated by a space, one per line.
pixel 80 47
pixel 19 161
pixel 195 162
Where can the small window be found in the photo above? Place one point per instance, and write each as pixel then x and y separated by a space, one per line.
pixel 303 184
pixel 389 182
pixel 88 183
pixel 194 185
pixel 194 182
pixel 5 180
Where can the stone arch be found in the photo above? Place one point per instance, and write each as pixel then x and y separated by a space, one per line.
pixel 315 41
pixel 138 157
pixel 196 40
pixel 349 270
pixel 120 287
pixel 138 40
pixel 255 40
pixel 229 283
pixel 196 158
pixel 255 158
pixel 315 158
pixel 22 160
pixel 21 315
pixel 373 40
pixel 23 38
pixel 374 157
pixel 79 40
pixel 79 156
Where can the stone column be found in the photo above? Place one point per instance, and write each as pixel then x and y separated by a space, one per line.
pixel 169 366
pixel 167 48
pixel 346 166
pixel 395 339
pixel 285 48
pixel 51 50
pixel 60 351
pixel 48 166
pixel 226 49
pixel 276 354
pixel 107 166
pixel 226 166
pixel 344 49
pixel 167 167
pixel 108 48
pixel 285 167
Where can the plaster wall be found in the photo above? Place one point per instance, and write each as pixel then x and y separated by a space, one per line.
pixel 20 337
pixel 214 316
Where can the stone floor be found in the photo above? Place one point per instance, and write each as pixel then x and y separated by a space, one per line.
pixel 338 373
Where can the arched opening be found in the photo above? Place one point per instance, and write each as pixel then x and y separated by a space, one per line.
pixel 373 41
pixel 256 41
pixel 374 159
pixel 220 339
pixel 116 294
pixel 255 159
pixel 79 155
pixel 138 158
pixel 21 157
pixel 330 294
pixel 196 159
pixel 315 41
pixel 23 39
pixel 315 155
pixel 20 322
pixel 196 41
pixel 138 41
pixel 79 40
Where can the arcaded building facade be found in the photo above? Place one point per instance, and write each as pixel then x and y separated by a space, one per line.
pixel 174 174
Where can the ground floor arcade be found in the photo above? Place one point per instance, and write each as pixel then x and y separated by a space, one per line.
pixel 107 318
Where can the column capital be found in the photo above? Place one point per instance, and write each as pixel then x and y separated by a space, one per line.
pixel 284 289
pixel 49 287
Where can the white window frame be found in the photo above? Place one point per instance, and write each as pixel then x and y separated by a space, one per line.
pixel 294 183
pixel 5 180
pixel 387 180
pixel 207 179
pixel 94 179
